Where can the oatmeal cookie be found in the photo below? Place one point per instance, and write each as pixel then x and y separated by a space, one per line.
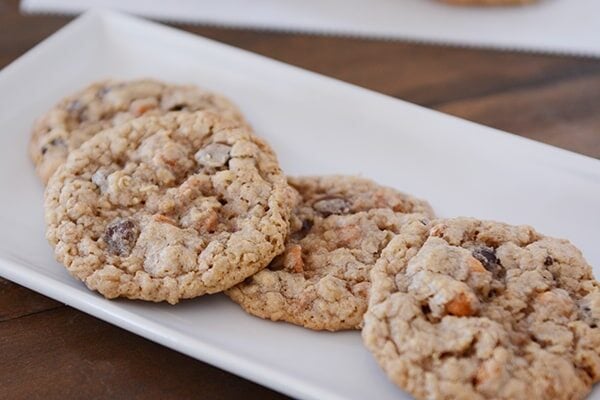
pixel 168 207
pixel 103 105
pixel 339 228
pixel 469 309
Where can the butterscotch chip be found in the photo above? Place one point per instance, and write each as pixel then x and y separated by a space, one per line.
pixel 460 305
pixel 469 309
pixel 339 228
pixel 133 213
pixel 103 105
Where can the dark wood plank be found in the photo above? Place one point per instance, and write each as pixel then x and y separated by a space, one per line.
pixel 65 354
pixel 562 113
pixel 424 74
pixel 17 301
pixel 18 34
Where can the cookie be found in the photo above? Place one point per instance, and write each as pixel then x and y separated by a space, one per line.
pixel 339 227
pixel 469 309
pixel 168 207
pixel 103 105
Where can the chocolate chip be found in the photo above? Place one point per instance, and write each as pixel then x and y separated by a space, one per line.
pixel 75 107
pixel 57 142
pixel 177 107
pixel 306 227
pixel 102 92
pixel 277 263
pixel 487 257
pixel 214 155
pixel 548 261
pixel 332 205
pixel 53 143
pixel 588 313
pixel 120 236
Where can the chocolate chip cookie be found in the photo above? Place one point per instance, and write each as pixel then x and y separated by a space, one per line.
pixel 339 228
pixel 102 105
pixel 169 207
pixel 469 309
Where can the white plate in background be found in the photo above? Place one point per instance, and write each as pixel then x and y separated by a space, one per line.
pixel 317 125
pixel 554 26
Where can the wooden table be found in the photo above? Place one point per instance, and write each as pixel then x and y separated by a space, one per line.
pixel 49 350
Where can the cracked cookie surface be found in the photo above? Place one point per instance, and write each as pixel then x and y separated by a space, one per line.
pixel 339 228
pixel 469 309
pixel 168 207
pixel 106 104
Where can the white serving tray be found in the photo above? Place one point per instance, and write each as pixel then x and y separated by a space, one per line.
pixel 317 125
pixel 555 26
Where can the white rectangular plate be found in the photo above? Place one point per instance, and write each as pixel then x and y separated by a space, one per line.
pixel 317 125
pixel 566 26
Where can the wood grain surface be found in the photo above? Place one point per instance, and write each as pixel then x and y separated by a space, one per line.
pixel 51 351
